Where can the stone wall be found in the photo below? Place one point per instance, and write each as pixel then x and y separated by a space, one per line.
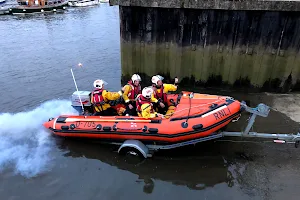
pixel 255 49
pixel 271 5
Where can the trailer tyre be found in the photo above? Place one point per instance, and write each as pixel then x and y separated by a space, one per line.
pixel 134 147
pixel 131 151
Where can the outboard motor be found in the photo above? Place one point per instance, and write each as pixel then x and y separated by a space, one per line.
pixel 85 99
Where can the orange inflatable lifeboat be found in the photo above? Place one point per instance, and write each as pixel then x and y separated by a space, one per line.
pixel 196 116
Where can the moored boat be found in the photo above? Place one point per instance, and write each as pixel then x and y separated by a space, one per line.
pixel 38 6
pixel 4 9
pixel 82 3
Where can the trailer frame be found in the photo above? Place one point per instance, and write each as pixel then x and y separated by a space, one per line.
pixel 261 110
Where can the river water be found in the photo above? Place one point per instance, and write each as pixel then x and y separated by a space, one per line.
pixel 37 53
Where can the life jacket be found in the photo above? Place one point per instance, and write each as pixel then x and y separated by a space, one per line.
pixel 98 99
pixel 135 90
pixel 140 101
pixel 161 95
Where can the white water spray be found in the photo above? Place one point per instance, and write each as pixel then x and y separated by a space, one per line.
pixel 25 145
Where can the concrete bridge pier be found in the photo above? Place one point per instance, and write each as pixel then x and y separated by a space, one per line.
pixel 252 44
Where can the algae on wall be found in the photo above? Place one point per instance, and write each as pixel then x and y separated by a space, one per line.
pixel 257 49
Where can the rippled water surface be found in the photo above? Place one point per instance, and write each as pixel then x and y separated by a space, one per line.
pixel 36 55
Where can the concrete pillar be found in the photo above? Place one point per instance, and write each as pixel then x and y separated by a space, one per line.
pixel 252 44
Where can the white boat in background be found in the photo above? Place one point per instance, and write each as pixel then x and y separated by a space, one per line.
pixel 104 1
pixel 82 3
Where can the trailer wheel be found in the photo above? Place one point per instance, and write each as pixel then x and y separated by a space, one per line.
pixel 131 151
pixel 134 147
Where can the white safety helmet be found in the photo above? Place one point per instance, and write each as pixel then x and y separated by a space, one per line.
pixel 156 78
pixel 99 83
pixel 147 92
pixel 136 77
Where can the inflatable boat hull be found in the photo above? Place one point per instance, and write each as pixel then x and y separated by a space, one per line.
pixel 195 117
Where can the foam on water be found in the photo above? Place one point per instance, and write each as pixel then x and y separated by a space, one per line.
pixel 25 144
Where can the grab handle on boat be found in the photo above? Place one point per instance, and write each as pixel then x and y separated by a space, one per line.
pixel 173 102
pixel 129 129
pixel 155 121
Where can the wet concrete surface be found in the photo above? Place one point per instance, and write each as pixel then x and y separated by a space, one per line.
pixel 36 165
